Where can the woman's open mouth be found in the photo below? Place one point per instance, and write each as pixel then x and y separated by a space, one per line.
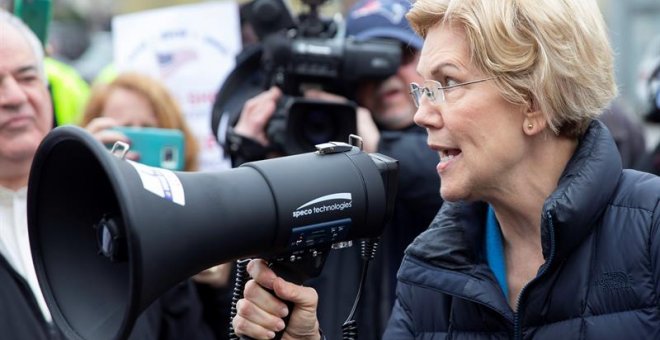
pixel 447 157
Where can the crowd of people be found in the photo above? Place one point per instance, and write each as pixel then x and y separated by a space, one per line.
pixel 518 212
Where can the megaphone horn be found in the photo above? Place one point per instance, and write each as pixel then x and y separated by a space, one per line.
pixel 108 236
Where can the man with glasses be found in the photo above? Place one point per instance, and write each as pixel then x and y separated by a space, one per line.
pixel 385 122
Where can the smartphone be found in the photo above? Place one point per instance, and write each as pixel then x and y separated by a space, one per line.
pixel 163 148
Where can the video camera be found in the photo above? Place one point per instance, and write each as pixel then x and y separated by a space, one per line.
pixel 310 53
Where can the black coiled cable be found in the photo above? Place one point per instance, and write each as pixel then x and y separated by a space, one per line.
pixel 237 294
pixel 349 328
pixel 368 249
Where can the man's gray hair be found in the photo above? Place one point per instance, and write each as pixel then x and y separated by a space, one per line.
pixel 30 37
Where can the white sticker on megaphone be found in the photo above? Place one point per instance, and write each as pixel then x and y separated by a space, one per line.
pixel 161 182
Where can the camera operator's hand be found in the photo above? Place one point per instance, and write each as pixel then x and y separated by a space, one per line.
pixel 255 115
pixel 366 127
pixel 259 315
pixel 100 128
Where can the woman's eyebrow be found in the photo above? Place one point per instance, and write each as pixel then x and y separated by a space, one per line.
pixel 438 70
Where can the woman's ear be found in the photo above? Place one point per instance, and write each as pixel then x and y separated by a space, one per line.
pixel 533 124
pixel 535 121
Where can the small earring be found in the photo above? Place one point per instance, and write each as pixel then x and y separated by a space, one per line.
pixel 530 126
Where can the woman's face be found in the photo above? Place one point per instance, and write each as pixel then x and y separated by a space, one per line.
pixel 129 108
pixel 477 133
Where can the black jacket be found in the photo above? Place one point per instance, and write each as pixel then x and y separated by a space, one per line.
pixel 176 315
pixel 20 316
pixel 601 276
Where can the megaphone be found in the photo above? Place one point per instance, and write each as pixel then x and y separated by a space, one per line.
pixel 109 236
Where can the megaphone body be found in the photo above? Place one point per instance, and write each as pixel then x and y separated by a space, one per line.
pixel 109 236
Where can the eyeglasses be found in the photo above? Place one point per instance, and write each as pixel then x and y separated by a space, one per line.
pixel 434 91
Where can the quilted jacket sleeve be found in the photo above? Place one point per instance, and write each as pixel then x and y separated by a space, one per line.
pixel 400 324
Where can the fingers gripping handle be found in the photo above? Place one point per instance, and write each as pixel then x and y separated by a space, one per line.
pixel 290 273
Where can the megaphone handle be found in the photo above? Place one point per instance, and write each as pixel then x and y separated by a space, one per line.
pixel 292 273
pixel 279 334
pixel 289 273
pixel 290 306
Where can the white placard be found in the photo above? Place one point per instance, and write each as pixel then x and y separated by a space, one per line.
pixel 192 48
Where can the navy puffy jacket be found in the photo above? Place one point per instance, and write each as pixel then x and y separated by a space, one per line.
pixel 601 277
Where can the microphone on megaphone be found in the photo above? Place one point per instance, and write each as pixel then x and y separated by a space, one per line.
pixel 109 236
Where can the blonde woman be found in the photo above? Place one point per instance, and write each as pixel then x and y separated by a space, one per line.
pixel 542 234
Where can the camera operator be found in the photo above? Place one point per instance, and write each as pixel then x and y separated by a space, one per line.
pixel 385 122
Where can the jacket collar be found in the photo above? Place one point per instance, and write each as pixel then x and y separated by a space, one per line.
pixel 583 191
pixel 454 239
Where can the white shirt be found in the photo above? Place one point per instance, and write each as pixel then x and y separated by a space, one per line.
pixel 15 242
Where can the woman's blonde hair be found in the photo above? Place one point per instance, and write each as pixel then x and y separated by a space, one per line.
pixel 167 110
pixel 552 55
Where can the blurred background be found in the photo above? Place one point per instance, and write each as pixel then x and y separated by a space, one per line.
pixel 80 35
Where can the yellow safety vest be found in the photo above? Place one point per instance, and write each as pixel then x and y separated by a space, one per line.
pixel 69 91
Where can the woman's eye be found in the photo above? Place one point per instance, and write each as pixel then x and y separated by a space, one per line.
pixel 449 82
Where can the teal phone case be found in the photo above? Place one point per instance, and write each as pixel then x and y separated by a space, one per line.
pixel 163 148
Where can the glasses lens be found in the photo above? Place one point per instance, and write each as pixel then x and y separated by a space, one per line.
pixel 434 91
pixel 415 93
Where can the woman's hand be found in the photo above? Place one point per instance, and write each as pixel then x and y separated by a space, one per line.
pixel 100 128
pixel 260 314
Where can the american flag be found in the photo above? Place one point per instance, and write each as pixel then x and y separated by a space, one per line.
pixel 367 8
pixel 171 61
pixel 390 10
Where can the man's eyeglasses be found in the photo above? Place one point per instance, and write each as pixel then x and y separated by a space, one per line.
pixel 434 91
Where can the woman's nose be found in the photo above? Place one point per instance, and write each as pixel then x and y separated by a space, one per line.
pixel 428 115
